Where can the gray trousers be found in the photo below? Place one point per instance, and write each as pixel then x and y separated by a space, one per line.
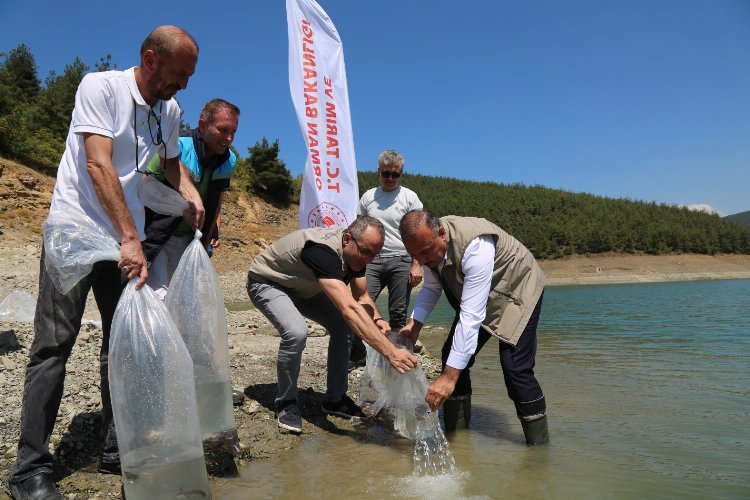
pixel 391 273
pixel 56 324
pixel 288 315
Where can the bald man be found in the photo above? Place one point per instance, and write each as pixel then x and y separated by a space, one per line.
pixel 120 120
pixel 496 287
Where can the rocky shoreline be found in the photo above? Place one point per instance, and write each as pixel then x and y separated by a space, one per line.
pixel 75 441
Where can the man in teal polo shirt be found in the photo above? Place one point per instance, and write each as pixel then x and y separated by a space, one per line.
pixel 206 154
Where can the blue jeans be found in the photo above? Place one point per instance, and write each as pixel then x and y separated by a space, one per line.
pixel 56 324
pixel 288 315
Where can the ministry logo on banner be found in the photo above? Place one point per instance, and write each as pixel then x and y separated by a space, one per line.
pixel 317 81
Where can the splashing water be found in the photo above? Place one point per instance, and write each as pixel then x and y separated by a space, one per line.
pixel 432 455
pixel 399 398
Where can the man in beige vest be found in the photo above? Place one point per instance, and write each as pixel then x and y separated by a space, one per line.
pixel 305 275
pixel 495 286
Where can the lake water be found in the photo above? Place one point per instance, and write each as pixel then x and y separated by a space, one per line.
pixel 648 393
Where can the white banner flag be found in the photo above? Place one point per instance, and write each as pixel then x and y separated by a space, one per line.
pixel 317 81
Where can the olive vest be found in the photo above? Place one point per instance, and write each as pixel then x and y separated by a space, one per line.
pixel 281 263
pixel 517 280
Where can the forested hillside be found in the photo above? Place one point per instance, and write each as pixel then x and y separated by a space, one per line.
pixel 35 115
pixel 742 218
pixel 553 223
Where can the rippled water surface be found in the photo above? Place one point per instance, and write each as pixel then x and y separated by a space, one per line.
pixel 648 392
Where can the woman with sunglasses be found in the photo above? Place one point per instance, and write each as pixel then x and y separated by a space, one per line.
pixel 393 268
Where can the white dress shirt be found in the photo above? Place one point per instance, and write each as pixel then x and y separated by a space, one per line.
pixel 477 265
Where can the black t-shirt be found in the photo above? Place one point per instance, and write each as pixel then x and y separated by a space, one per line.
pixel 325 263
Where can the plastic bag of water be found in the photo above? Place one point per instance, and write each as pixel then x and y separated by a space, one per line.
pixel 196 303
pixel 398 396
pixel 154 403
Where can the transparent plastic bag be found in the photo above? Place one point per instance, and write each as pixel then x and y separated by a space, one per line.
pixel 161 198
pixel 18 306
pixel 72 245
pixel 196 303
pixel 395 396
pixel 399 398
pixel 153 400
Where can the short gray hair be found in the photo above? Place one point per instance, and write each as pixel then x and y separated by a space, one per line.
pixel 360 225
pixel 413 221
pixel 391 157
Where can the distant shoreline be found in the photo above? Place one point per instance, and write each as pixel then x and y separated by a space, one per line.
pixel 618 268
pixel 632 279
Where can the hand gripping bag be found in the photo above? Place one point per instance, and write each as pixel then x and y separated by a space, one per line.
pixel 395 396
pixel 153 400
pixel 196 304
pixel 74 243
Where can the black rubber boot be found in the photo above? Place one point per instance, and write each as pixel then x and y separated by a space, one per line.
pixel 533 417
pixel 457 412
pixel 536 431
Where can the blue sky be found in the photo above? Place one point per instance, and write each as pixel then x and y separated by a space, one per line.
pixel 640 99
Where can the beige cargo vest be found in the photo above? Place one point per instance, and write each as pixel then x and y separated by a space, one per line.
pixel 517 280
pixel 281 263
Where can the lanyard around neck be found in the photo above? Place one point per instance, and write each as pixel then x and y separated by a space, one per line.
pixel 159 140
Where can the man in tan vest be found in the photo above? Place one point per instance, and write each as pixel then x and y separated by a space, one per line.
pixel 305 275
pixel 495 286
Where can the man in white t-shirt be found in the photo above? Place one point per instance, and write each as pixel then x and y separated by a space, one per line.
pixel 120 120
pixel 393 268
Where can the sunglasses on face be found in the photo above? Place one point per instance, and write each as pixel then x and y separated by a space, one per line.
pixel 390 175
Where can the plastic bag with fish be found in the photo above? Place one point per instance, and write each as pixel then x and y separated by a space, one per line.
pixel 196 303
pixel 154 403
pixel 392 395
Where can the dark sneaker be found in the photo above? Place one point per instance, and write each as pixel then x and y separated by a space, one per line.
pixel 344 408
pixel 110 464
pixel 238 397
pixel 39 486
pixel 288 417
pixel 110 467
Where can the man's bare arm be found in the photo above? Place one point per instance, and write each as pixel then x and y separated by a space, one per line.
pixel 359 293
pixel 361 323
pixel 109 191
